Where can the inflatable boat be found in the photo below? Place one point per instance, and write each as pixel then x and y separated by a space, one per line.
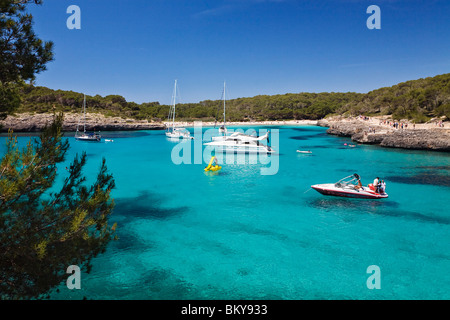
pixel 212 167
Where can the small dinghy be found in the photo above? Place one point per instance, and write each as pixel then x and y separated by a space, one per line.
pixel 349 187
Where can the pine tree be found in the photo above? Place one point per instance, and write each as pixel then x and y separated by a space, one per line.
pixel 42 231
pixel 22 53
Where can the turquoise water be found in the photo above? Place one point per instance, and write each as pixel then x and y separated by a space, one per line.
pixel 237 234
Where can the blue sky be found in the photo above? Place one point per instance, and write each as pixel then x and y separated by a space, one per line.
pixel 138 48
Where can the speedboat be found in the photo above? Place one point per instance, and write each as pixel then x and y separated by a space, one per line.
pixel 348 188
pixel 239 142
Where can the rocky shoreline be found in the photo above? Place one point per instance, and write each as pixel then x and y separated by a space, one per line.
pixel 436 139
pixel 27 122
pixel 421 137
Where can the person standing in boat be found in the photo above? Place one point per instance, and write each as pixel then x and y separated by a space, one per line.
pixel 382 187
pixel 376 184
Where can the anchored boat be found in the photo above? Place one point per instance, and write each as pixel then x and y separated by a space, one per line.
pixel 173 132
pixel 349 187
pixel 86 136
pixel 241 143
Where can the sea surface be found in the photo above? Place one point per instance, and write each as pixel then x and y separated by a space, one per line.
pixel 240 234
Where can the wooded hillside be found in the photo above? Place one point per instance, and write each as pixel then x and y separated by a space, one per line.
pixel 417 100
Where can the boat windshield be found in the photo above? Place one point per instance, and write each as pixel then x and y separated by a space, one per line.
pixel 348 181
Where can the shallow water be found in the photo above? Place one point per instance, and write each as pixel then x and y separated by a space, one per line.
pixel 237 234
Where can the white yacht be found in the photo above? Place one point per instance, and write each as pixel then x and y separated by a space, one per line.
pixel 86 136
pixel 238 142
pixel 173 132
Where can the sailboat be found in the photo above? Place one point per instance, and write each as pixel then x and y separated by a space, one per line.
pixel 86 136
pixel 223 129
pixel 238 142
pixel 173 132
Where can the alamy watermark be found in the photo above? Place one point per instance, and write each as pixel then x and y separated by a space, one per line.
pixel 251 153
pixel 74 20
pixel 74 280
pixel 374 21
pixel 374 280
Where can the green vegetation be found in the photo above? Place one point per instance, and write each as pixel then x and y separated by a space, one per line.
pixel 42 230
pixel 22 53
pixel 417 100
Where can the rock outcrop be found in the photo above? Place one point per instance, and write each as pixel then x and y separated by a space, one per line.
pixel 27 122
pixel 420 139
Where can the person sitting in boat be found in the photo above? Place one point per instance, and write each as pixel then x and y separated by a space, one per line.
pixel 359 185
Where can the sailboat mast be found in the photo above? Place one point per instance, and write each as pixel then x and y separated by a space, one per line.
pixel 84 107
pixel 174 98
pixel 224 104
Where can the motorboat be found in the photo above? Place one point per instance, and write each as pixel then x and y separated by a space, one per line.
pixel 239 142
pixel 85 135
pixel 349 187
pixel 172 131
pixel 304 151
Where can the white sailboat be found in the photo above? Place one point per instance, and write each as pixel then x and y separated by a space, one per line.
pixel 173 132
pixel 223 129
pixel 238 142
pixel 86 136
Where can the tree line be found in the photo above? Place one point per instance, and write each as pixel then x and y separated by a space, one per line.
pixel 416 100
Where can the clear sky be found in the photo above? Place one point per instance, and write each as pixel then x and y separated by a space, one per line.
pixel 138 48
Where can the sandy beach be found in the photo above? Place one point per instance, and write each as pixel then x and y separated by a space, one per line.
pixel 249 123
pixel 387 122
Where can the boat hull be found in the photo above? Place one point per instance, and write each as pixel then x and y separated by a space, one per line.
pixel 178 136
pixel 89 139
pixel 332 190
pixel 178 133
pixel 240 149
